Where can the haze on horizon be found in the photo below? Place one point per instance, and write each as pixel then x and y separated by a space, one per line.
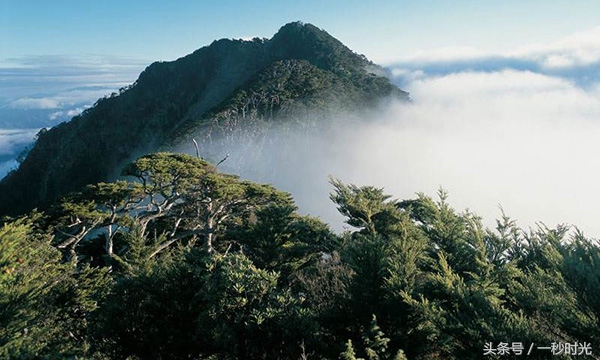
pixel 504 116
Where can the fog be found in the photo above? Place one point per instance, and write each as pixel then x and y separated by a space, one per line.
pixel 12 142
pixel 524 141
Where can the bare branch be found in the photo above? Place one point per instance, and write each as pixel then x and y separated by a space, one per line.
pixel 222 161
pixel 197 149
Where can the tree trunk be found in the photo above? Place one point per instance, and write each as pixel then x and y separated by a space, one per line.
pixel 210 234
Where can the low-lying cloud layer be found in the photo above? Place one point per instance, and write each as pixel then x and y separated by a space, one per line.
pixel 525 141
pixel 43 91
pixel 575 57
pixel 12 142
pixel 519 131
pixel 39 91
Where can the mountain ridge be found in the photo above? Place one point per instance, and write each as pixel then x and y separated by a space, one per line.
pixel 171 99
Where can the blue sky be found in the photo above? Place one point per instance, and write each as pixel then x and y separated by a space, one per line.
pixel 382 30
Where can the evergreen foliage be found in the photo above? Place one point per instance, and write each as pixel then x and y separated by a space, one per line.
pixel 181 261
pixel 46 305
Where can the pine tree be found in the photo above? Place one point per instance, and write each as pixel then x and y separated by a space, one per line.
pixel 349 353
pixel 45 303
pixel 375 342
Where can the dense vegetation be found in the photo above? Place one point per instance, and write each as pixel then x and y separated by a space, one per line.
pixel 184 262
pixel 210 94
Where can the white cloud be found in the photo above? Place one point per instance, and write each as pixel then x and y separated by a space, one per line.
pixel 44 76
pixel 407 74
pixel 522 140
pixel 578 49
pixel 575 57
pixel 11 139
pixel 582 48
pixel 517 129
pixel 558 61
pixel 63 99
pixel 73 63
pixel 35 103
pixel 68 114
pixel 11 144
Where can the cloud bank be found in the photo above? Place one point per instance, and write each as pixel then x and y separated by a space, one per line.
pixel 43 91
pixel 519 131
pixel 12 142
pixel 575 57
pixel 37 89
pixel 518 139
pixel 33 103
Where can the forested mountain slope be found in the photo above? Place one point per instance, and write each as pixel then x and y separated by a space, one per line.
pixel 216 92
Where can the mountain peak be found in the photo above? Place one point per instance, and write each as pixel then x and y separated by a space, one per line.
pixel 228 82
pixel 298 27
pixel 298 40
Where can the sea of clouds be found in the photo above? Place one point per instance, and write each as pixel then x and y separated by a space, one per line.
pixel 42 91
pixel 519 131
